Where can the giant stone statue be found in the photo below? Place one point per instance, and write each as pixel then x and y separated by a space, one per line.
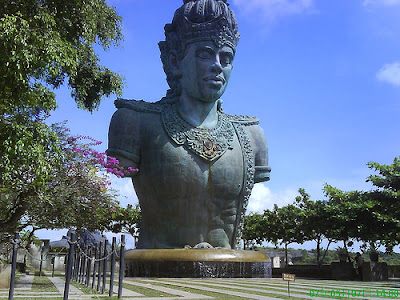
pixel 197 165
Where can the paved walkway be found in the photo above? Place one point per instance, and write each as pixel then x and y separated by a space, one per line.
pixel 25 283
pixel 184 288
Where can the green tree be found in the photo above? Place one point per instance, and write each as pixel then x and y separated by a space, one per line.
pixel 346 215
pixel 278 226
pixel 45 44
pixel 288 224
pixel 75 194
pixel 383 206
pixel 316 222
pixel 371 217
pixel 257 229
pixel 127 220
pixel 28 154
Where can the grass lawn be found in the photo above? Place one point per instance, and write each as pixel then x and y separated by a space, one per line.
pixel 43 284
pixel 216 288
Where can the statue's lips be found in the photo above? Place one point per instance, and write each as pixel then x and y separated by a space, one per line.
pixel 215 80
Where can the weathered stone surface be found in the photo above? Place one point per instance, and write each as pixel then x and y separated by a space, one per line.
pixel 197 165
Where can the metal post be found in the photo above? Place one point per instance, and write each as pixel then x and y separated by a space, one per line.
pixel 54 262
pixel 75 264
pixel 78 277
pixel 79 265
pixel 84 269
pixel 94 266
pixel 13 267
pixel 77 259
pixel 70 263
pixel 99 268
pixel 121 267
pixel 41 263
pixel 65 265
pixel 114 241
pixel 83 265
pixel 104 268
pixel 88 267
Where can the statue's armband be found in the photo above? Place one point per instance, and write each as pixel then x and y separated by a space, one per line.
pixel 260 148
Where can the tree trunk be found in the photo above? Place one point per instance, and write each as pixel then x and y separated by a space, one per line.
pixel 325 252
pixel 15 214
pixel 286 256
pixel 319 251
pixel 347 251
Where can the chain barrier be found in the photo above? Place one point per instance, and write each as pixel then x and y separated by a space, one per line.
pixel 62 249
pixel 81 272
pixel 94 259
pixel 122 245
pixel 19 243
pixel 32 257
pixel 72 243
pixel 81 251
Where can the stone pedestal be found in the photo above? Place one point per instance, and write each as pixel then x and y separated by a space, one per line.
pixel 343 271
pixel 197 263
pixel 375 271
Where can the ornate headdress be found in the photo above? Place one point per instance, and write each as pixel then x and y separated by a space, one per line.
pixel 198 20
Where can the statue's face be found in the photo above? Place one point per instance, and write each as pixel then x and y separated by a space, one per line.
pixel 205 70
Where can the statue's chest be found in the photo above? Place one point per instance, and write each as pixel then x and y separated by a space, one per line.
pixel 179 171
pixel 209 144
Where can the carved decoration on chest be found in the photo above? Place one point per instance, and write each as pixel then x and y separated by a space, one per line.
pixel 209 144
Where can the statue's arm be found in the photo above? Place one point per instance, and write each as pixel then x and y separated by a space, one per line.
pixel 124 138
pixel 260 148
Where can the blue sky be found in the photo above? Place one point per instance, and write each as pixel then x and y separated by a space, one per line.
pixel 323 77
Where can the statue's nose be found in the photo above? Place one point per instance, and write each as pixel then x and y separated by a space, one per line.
pixel 216 66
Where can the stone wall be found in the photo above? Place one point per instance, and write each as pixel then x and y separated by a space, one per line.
pixel 5 274
pixel 307 271
pixel 375 271
pixel 394 271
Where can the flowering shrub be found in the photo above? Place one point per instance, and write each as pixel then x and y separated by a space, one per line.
pixel 75 144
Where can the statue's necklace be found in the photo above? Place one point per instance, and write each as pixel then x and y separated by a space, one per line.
pixel 209 144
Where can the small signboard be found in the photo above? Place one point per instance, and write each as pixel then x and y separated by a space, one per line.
pixel 288 277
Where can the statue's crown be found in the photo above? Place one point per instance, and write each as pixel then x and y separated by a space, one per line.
pixel 199 20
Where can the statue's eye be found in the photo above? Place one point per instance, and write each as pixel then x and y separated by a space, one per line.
pixel 204 54
pixel 226 59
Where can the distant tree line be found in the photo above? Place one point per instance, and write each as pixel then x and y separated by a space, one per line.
pixel 308 257
pixel 371 217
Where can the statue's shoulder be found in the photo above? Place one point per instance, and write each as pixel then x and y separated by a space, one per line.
pixel 244 120
pixel 140 105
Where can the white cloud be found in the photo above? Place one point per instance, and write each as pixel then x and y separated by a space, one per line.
pixel 263 198
pixel 390 73
pixel 381 2
pixel 272 9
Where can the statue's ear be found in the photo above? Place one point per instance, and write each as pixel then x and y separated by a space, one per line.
pixel 174 63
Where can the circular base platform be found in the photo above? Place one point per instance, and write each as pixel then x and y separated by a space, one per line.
pixel 197 263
